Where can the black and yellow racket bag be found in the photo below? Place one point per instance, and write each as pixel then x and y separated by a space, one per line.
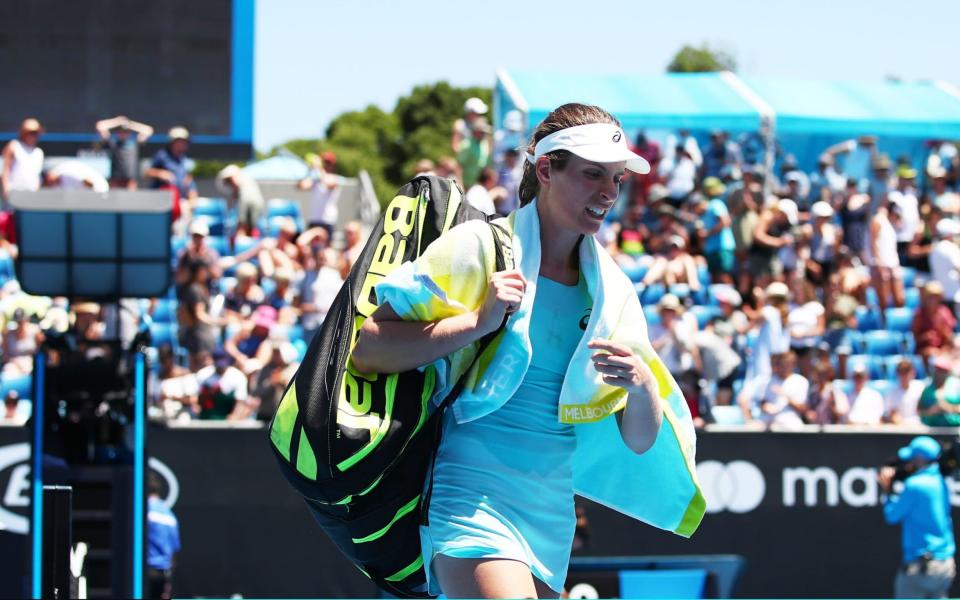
pixel 358 446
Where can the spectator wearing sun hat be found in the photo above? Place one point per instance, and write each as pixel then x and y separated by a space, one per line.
pixel 933 324
pixel 824 244
pixel 170 169
pixel 475 151
pixel 243 193
pixel 773 337
pixel 674 340
pixel 473 109
pixel 22 160
pixel 197 250
pixel 245 296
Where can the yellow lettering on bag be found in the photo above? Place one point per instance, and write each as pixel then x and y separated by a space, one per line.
pixel 356 399
pixel 398 223
pixel 355 392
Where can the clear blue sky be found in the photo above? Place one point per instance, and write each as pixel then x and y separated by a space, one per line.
pixel 317 59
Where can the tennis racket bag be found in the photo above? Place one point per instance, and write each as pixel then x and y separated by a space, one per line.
pixel 358 446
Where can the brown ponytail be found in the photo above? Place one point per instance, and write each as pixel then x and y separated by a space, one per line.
pixel 562 117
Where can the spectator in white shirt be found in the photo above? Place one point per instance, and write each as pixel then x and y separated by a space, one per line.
pixel 325 185
pixel 479 195
pixel 76 175
pixel 866 406
pixel 901 402
pixel 945 259
pixel 783 400
pixel 905 196
pixel 680 175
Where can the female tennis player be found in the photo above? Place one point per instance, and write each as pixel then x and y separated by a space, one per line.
pixel 569 398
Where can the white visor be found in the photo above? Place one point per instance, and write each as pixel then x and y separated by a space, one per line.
pixel 597 142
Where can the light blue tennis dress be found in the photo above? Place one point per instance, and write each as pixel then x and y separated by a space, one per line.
pixel 503 484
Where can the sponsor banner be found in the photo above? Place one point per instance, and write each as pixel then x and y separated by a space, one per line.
pixel 14 511
pixel 803 509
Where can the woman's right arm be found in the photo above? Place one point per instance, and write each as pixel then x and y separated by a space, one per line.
pixel 388 344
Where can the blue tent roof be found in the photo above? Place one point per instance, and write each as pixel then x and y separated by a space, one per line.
pixel 889 108
pixel 702 101
pixel 680 101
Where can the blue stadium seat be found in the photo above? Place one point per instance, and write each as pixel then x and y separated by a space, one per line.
pixel 872 299
pixel 855 340
pixel 704 314
pixel 217 225
pixel 893 361
pixel 216 208
pixel 268 285
pixel 220 244
pixel 899 319
pixel 843 385
pixel 163 334
pixel 703 274
pixel 912 297
pixel 7 270
pixel 242 244
pixel 165 311
pixel 680 290
pixel 883 343
pixel 908 342
pixel 909 275
pixel 653 293
pixel 22 384
pixel 301 347
pixel 867 319
pixel 295 333
pixel 274 223
pixel 635 271
pixel 875 365
pixel 281 207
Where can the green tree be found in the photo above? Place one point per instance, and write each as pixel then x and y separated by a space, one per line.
pixel 426 119
pixel 702 59
pixel 387 145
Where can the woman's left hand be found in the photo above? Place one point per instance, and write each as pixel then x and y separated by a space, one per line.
pixel 621 367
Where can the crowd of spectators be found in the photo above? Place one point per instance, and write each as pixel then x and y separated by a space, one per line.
pixel 777 298
pixel 790 298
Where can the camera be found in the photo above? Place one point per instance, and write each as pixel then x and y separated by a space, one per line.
pixel 949 463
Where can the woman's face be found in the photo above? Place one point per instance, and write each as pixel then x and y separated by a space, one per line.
pixel 583 192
